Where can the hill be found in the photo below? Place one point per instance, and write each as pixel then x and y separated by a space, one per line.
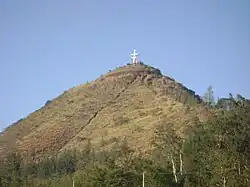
pixel 130 101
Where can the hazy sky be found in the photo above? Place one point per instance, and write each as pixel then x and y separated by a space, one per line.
pixel 47 47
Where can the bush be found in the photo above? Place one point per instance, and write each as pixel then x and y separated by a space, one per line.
pixel 48 102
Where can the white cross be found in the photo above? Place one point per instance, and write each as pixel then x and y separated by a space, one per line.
pixel 133 57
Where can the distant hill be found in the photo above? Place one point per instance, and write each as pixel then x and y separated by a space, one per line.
pixel 130 101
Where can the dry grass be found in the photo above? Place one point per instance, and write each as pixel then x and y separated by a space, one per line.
pixel 128 102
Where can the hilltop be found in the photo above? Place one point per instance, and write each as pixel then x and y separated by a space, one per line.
pixel 130 101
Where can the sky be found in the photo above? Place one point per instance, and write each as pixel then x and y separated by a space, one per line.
pixel 47 47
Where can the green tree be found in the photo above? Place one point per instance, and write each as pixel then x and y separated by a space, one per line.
pixel 217 149
pixel 169 145
pixel 209 96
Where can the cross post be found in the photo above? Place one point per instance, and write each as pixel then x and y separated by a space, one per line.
pixel 134 56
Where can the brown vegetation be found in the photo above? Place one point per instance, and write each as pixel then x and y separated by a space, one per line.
pixel 127 102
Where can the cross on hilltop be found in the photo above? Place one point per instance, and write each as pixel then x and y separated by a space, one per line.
pixel 134 57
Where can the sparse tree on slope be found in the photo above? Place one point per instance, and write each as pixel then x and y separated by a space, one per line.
pixel 170 146
pixel 209 96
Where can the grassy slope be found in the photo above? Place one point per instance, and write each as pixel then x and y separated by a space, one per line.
pixel 128 102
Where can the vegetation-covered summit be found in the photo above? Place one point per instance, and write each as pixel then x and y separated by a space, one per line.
pixel 129 101
pixel 131 121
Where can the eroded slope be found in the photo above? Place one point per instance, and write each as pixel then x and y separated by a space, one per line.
pixel 128 102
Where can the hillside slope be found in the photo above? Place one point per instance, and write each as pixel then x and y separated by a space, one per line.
pixel 127 102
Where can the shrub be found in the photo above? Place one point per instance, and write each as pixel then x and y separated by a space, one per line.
pixel 48 102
